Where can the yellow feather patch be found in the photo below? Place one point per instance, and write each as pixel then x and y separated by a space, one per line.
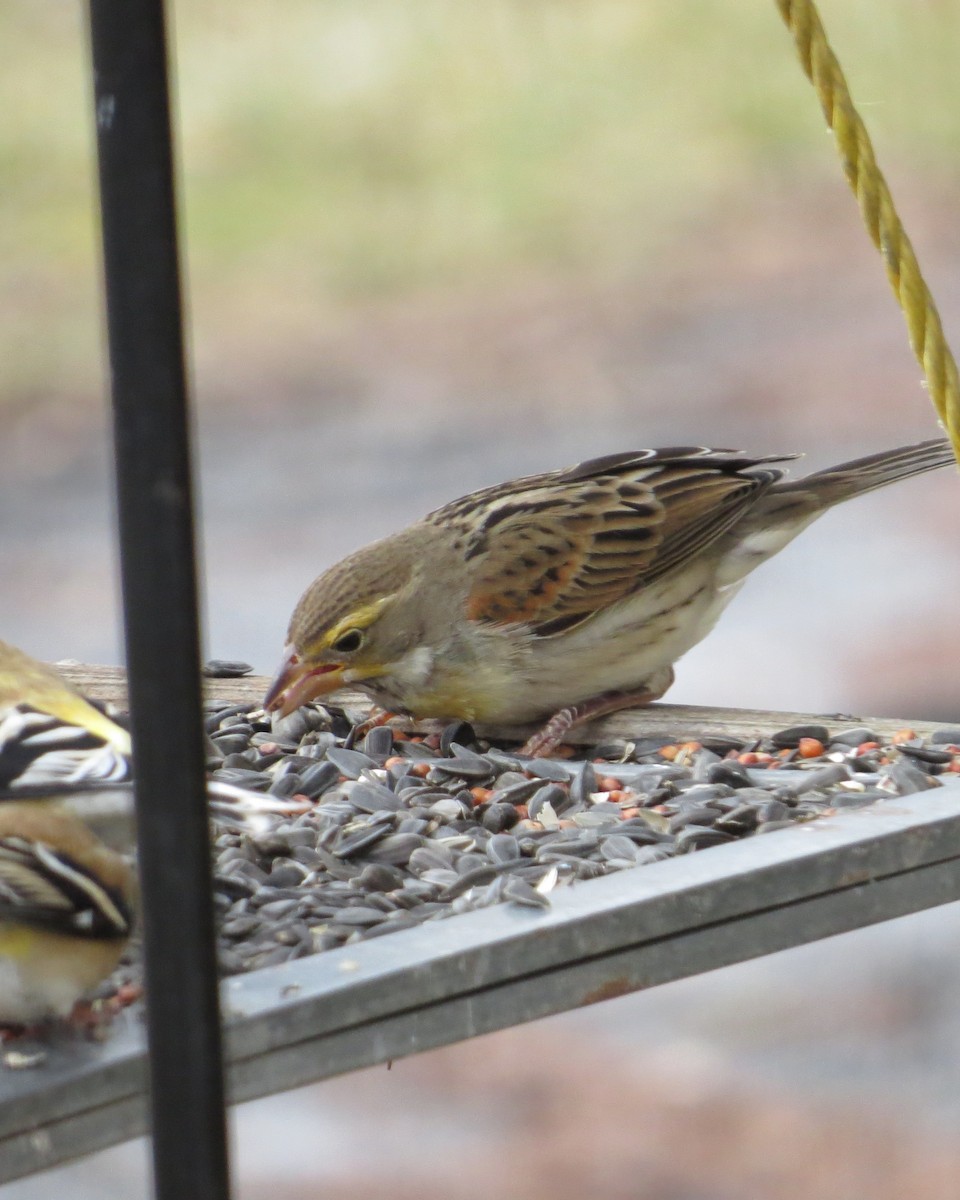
pixel 76 711
pixel 361 618
pixel 16 941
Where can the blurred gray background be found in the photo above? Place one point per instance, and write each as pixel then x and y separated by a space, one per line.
pixel 432 246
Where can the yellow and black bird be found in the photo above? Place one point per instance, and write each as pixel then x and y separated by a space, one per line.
pixel 67 839
pixel 67 906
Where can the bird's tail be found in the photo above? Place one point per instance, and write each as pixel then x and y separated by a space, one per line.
pixel 875 471
pixel 789 506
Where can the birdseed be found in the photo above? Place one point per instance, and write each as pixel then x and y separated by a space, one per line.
pixel 404 830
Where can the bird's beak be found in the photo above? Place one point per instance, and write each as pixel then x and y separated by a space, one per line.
pixel 297 683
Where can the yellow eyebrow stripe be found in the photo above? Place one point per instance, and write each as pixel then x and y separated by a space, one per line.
pixel 361 618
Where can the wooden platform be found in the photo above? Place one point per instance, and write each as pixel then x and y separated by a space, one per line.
pixel 672 722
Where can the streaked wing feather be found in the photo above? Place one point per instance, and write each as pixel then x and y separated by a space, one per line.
pixel 22 886
pixel 38 748
pixel 38 886
pixel 555 549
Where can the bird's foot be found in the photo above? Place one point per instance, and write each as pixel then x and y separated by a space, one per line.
pixel 15 1033
pixel 378 716
pixel 546 741
pixel 92 1018
pixel 88 1019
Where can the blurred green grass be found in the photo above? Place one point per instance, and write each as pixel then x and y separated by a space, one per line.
pixel 338 151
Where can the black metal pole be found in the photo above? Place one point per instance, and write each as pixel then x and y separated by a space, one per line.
pixel 152 445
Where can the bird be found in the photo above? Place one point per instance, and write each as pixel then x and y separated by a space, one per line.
pixel 47 728
pixel 68 892
pixel 56 743
pixel 562 596
pixel 67 910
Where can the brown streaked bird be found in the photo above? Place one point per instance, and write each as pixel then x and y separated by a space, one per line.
pixel 562 596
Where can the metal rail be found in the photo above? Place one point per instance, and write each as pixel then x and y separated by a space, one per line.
pixel 155 509
pixel 482 971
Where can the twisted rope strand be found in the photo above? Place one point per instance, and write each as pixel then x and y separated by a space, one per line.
pixel 879 214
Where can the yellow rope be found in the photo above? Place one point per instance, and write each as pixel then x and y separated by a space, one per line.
pixel 878 211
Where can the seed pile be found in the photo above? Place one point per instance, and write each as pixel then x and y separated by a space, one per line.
pixel 404 830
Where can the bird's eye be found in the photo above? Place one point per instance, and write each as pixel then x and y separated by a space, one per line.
pixel 347 642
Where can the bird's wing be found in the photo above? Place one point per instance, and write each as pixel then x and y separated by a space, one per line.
pixel 27 683
pixel 554 549
pixel 40 886
pixel 37 748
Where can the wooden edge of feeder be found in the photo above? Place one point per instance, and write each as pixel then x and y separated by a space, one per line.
pixel 672 722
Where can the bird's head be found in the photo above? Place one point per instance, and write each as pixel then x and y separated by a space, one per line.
pixel 357 623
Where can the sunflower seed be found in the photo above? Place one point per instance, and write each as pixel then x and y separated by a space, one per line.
pixel 617 847
pixel 372 797
pixel 518 891
pixel 503 848
pixel 354 841
pixel 385 848
pixel 455 737
pixel 739 820
pixel 225 668
pixel 789 738
pixel 499 816
pixel 772 810
pixel 475 878
pixel 551 769
pixel 549 797
pixel 697 814
pixel 462 767
pixel 904 778
pixel 319 778
pixel 856 737
pixel 378 744
pixel 516 793
pixel 696 837
pixel 733 774
pixel 350 762
pixel 924 754
pixel 584 784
